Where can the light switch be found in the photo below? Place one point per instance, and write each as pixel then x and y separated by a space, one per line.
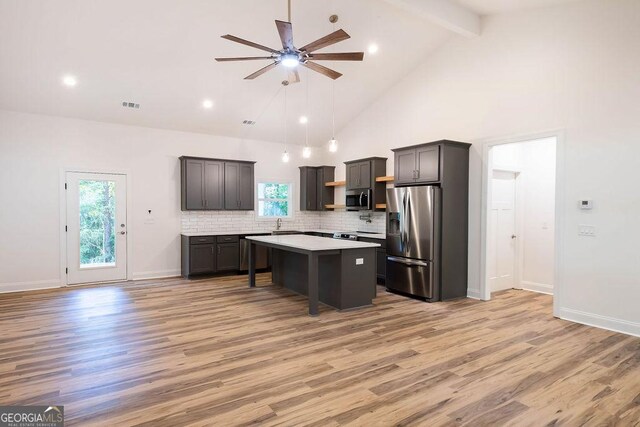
pixel 359 261
pixel 586 230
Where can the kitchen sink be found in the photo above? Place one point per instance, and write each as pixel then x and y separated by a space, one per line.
pixel 281 232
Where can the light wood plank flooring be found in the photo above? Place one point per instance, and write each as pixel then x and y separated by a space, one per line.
pixel 213 352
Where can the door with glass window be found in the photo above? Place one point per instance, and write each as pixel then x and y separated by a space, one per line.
pixel 96 227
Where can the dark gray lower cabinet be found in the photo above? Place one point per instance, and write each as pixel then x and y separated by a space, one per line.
pixel 202 259
pixel 228 257
pixel 381 257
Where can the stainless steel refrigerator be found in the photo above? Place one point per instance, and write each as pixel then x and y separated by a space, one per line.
pixel 413 241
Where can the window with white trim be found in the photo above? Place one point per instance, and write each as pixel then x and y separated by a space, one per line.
pixel 274 200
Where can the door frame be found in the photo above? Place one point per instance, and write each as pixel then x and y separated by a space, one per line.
pixel 487 167
pixel 64 279
pixel 518 259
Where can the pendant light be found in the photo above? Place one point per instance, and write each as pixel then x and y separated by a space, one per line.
pixel 333 144
pixel 285 155
pixel 306 151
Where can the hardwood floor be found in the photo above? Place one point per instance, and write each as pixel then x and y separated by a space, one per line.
pixel 213 352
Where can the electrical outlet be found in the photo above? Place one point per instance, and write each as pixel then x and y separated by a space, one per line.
pixel 587 230
pixel 359 261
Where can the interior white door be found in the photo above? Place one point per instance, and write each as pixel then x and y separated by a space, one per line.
pixel 502 231
pixel 96 227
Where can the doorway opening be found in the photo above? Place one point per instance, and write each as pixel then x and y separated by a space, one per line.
pixel 96 227
pixel 520 223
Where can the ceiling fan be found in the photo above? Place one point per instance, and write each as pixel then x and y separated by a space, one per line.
pixel 290 56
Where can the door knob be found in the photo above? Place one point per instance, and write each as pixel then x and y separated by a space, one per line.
pixel 123 232
pixel 513 236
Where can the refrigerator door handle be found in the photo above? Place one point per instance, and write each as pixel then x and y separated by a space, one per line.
pixel 408 261
pixel 402 220
pixel 408 220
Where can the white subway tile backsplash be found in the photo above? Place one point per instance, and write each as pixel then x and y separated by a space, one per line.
pixel 204 221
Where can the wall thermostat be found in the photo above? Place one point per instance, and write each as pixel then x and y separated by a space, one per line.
pixel 586 204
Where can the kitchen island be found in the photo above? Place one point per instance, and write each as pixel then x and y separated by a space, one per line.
pixel 338 273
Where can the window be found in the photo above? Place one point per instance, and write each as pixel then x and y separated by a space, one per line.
pixel 274 200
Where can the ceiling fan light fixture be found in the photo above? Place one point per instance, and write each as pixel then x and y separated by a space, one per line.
pixel 289 60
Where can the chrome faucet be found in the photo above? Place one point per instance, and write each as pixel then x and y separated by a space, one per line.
pixel 278 223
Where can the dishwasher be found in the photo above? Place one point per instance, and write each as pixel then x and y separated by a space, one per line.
pixel 262 256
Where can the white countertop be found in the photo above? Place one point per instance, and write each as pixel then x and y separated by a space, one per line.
pixel 379 236
pixel 312 243
pixel 222 233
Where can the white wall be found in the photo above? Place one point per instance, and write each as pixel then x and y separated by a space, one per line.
pixel 33 151
pixel 572 67
pixel 535 161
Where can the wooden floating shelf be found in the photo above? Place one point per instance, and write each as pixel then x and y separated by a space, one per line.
pixel 381 206
pixel 384 179
pixel 335 206
pixel 335 184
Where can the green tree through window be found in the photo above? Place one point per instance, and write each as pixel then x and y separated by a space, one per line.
pixel 274 199
pixel 97 222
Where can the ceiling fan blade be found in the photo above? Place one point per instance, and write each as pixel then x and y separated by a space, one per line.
pixel 294 76
pixel 244 58
pixel 261 71
pixel 346 56
pixel 322 69
pixel 286 34
pixel 328 40
pixel 248 43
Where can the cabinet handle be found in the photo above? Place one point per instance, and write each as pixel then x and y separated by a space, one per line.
pixel 418 173
pixel 218 250
pixel 211 250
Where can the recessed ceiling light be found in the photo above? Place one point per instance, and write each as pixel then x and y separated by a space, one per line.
pixel 373 48
pixel 69 81
pixel 207 103
pixel 303 120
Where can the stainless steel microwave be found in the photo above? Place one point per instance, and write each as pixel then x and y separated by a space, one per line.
pixel 359 200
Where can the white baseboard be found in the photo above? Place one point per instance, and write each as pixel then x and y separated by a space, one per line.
pixel 161 274
pixel 473 293
pixel 543 288
pixel 604 322
pixel 29 286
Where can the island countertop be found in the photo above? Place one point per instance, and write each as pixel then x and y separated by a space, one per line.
pixel 312 243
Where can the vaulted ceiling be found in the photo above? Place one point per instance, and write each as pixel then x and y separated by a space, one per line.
pixel 159 53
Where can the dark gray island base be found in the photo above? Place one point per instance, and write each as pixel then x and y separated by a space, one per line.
pixel 338 273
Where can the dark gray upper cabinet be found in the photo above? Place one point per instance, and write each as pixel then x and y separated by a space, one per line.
pixel 238 186
pixel 246 186
pixel 405 166
pixel 428 164
pixel 314 194
pixel 417 165
pixel 215 184
pixel 231 182
pixel 359 175
pixel 192 172
pixel 362 174
pixel 308 188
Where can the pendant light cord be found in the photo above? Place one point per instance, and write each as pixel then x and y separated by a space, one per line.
pixel 285 118
pixel 333 110
pixel 306 126
pixel 289 9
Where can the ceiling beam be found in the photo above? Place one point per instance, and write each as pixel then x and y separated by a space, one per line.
pixel 445 13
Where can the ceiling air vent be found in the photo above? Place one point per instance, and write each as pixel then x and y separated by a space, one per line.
pixel 248 122
pixel 133 105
